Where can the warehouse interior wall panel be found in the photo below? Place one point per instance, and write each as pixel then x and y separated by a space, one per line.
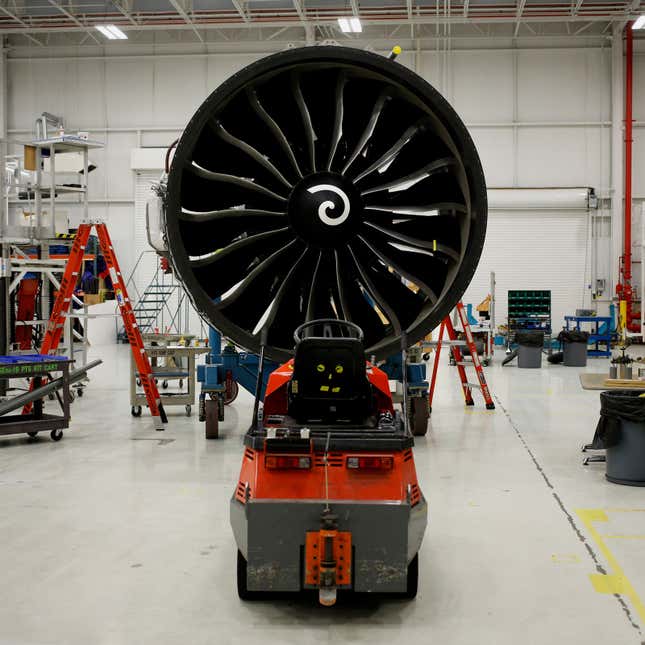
pixel 534 250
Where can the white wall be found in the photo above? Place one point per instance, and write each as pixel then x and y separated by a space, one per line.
pixel 539 117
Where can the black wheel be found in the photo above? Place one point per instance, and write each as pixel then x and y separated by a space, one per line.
pixel 211 425
pixel 242 590
pixel 419 415
pixel 33 435
pixel 56 435
pixel 230 394
pixel 164 385
pixel 325 182
pixel 485 362
pixel 413 578
pixel 188 410
pixel 181 383
pixel 79 392
pixel 135 410
pixel 139 382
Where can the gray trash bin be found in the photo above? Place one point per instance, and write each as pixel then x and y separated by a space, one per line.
pixel 529 353
pixel 529 357
pixel 575 354
pixel 622 432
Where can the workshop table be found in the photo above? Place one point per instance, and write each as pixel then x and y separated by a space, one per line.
pixel 181 368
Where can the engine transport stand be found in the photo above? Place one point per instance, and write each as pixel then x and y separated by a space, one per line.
pixel 418 408
pixel 220 377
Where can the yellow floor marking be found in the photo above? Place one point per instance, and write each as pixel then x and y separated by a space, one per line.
pixel 567 558
pixel 623 537
pixel 616 581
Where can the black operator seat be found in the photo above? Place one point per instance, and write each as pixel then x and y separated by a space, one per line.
pixel 329 382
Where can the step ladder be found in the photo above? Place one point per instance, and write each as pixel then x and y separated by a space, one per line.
pixel 456 346
pixel 63 302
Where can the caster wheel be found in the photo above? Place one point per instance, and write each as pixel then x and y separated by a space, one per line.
pixel 164 385
pixel 51 396
pixel 419 415
pixel 56 435
pixel 135 410
pixel 79 393
pixel 139 382
pixel 485 363
pixel 188 410
pixel 211 427
pixel 230 394
pixel 181 383
pixel 33 435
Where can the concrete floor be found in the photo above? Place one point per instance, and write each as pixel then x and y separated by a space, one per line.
pixel 118 534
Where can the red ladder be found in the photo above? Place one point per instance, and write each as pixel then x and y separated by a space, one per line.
pixel 455 345
pixel 63 302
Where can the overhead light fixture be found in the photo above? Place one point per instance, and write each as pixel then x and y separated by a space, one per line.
pixel 350 25
pixel 112 32
pixel 640 23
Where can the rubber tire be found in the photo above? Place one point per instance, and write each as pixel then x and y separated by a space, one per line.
pixel 164 385
pixel 235 389
pixel 33 435
pixel 211 425
pixel 188 410
pixel 420 414
pixel 242 590
pixel 79 392
pixel 413 579
pixel 136 410
pixel 56 435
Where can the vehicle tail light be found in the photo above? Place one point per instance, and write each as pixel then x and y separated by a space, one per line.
pixel 375 462
pixel 287 462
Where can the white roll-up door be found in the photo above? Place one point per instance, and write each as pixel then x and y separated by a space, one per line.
pixel 535 249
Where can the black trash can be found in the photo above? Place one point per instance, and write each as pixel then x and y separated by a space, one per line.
pixel 621 430
pixel 574 344
pixel 529 354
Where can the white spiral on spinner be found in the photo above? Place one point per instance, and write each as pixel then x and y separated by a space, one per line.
pixel 328 205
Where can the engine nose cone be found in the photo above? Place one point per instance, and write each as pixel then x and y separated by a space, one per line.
pixel 325 209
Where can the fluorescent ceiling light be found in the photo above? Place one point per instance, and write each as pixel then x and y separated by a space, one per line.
pixel 350 25
pixel 640 23
pixel 112 32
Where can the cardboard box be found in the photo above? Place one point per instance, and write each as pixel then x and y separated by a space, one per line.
pixel 93 299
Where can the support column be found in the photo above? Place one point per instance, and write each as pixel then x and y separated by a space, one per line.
pixel 617 159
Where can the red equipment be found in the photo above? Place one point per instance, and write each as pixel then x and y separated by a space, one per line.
pixel 446 325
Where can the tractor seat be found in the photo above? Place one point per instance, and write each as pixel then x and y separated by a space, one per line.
pixel 329 382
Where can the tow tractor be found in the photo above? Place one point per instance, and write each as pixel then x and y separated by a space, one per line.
pixel 328 496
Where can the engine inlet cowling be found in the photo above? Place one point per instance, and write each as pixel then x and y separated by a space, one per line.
pixel 325 182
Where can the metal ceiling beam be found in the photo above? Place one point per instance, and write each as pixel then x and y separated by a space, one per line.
pixel 300 10
pixel 289 18
pixel 241 10
pixel 520 10
pixel 75 20
pixel 576 7
pixel 187 19
pixel 13 16
pixel 125 8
